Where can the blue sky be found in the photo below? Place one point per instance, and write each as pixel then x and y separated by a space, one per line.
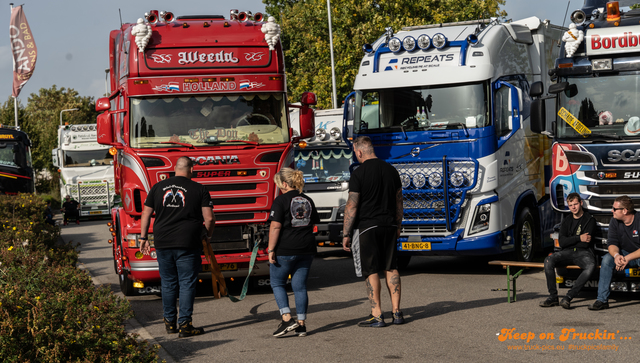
pixel 72 35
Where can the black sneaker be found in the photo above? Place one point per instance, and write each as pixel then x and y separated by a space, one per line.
pixel 188 330
pixel 301 330
pixel 170 326
pixel 599 305
pixel 285 327
pixel 373 322
pixel 398 318
pixel 566 303
pixel 549 302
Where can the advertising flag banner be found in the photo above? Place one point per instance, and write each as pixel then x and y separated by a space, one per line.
pixel 24 49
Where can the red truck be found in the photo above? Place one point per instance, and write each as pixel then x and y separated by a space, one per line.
pixel 214 90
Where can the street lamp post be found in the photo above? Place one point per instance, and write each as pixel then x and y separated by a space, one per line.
pixel 333 68
pixel 69 109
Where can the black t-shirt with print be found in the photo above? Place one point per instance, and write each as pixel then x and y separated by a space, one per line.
pixel 625 237
pixel 297 214
pixel 377 183
pixel 178 203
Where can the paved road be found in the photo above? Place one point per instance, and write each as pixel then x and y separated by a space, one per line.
pixel 456 310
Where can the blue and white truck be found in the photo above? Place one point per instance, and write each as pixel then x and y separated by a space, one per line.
pixel 448 106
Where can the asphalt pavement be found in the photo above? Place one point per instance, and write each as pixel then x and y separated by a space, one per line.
pixel 456 310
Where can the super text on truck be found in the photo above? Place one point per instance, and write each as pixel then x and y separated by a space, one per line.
pixel 596 131
pixel 16 170
pixel 211 89
pixel 448 106
pixel 324 160
pixel 86 169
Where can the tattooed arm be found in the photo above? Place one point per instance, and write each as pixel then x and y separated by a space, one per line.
pixel 350 211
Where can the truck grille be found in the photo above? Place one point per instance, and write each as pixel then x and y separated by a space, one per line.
pixel 91 193
pixel 427 202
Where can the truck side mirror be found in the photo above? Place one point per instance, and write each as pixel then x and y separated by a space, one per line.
pixel 537 89
pixel 54 157
pixel 105 128
pixel 538 116
pixel 515 106
pixel 103 104
pixel 307 116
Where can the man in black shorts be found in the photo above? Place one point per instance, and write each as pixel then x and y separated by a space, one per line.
pixel 181 206
pixel 372 222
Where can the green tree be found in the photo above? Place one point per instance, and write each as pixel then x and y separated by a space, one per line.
pixel 42 121
pixel 7 113
pixel 305 35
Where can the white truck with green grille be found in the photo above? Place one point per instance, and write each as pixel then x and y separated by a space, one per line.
pixel 86 169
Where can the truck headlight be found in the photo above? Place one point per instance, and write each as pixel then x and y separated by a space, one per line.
pixel 409 43
pixel 340 214
pixel 419 180
pixel 406 180
pixel 457 179
pixel 395 45
pixel 481 218
pixel 424 42
pixel 435 180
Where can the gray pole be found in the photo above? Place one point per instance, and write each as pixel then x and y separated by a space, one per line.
pixel 333 69
pixel 67 110
pixel 15 99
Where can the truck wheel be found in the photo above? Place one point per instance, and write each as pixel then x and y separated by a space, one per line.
pixel 403 262
pixel 526 235
pixel 126 284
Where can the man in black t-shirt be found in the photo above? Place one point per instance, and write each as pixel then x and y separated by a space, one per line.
pixel 70 210
pixel 623 244
pixel 576 247
pixel 181 207
pixel 372 223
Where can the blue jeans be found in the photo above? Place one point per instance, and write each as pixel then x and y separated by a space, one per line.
pixel 583 258
pixel 298 267
pixel 606 274
pixel 179 270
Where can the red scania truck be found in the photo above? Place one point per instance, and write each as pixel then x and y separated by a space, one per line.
pixel 211 89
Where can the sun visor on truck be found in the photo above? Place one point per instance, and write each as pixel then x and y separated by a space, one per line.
pixel 519 33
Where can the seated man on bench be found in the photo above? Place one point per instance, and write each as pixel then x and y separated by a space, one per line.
pixel 70 210
pixel 576 248
pixel 623 245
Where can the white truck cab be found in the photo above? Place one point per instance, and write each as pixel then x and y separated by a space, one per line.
pixel 324 159
pixel 86 169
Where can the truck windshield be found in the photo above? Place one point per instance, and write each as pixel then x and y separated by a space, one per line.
pixel 85 158
pixel 605 106
pixel 259 118
pixel 8 154
pixel 324 165
pixel 422 108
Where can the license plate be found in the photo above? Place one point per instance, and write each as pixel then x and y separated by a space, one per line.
pixel 223 267
pixel 96 212
pixel 633 272
pixel 416 246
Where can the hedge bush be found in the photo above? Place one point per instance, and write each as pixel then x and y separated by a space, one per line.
pixel 50 311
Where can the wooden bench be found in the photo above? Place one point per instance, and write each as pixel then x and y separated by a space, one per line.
pixel 511 279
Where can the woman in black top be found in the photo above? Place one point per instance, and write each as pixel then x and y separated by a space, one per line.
pixel 291 248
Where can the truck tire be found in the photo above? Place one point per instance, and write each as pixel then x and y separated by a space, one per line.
pixel 126 284
pixel 403 262
pixel 526 236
